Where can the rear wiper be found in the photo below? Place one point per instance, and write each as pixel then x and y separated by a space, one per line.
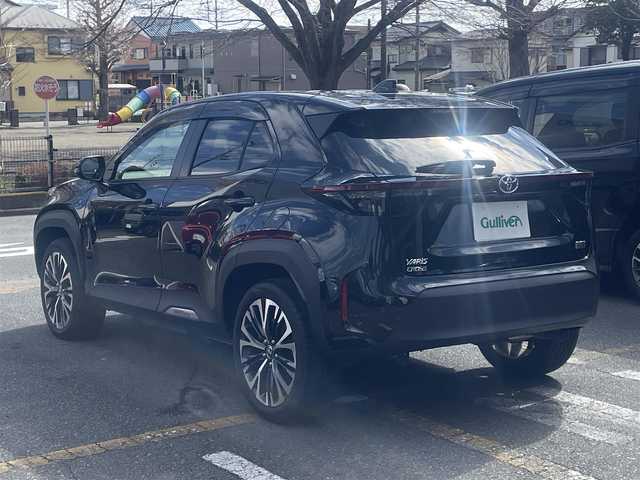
pixel 465 168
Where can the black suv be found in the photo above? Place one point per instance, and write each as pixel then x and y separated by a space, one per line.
pixel 304 227
pixel 590 118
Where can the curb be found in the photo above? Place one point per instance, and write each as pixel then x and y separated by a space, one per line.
pixel 19 211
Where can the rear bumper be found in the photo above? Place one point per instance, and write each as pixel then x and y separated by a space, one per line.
pixel 478 312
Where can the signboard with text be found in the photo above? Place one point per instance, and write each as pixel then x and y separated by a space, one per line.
pixel 46 87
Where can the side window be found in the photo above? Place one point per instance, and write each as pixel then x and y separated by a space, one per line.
pixel 581 120
pixel 154 157
pixel 259 150
pixel 229 145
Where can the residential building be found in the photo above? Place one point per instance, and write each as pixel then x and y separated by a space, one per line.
pixel 561 41
pixel 36 42
pixel 236 61
pixel 435 51
pixel 481 57
pixel 149 35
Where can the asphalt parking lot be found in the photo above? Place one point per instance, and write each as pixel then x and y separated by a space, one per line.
pixel 147 403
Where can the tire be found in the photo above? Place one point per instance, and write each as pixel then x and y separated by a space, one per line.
pixel 279 393
pixel 70 314
pixel 540 356
pixel 629 267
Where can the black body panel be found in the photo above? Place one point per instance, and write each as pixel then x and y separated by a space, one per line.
pixel 616 164
pixel 187 244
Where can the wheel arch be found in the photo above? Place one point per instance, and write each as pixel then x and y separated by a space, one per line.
pixel 51 225
pixel 257 260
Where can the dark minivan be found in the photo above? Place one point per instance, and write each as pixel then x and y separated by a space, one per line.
pixel 589 117
pixel 302 228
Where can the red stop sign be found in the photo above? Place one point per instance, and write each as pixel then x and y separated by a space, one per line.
pixel 46 87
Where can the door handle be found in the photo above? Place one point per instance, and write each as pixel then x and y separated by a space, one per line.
pixel 239 203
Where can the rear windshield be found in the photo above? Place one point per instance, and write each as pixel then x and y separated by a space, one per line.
pixel 413 142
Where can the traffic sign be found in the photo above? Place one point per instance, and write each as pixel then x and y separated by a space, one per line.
pixel 46 87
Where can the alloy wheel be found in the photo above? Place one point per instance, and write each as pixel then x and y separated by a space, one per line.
pixel 267 352
pixel 58 290
pixel 513 350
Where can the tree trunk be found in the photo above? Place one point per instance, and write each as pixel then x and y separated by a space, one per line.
pixel 324 80
pixel 518 53
pixel 103 86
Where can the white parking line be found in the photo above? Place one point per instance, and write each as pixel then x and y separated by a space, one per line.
pixel 240 466
pixel 630 374
pixel 16 251
pixel 4 245
pixel 571 420
pixel 615 413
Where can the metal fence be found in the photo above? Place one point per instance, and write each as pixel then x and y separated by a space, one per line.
pixel 33 163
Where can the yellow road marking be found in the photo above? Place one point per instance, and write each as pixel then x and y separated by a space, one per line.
pixel 18 286
pixel 97 448
pixel 538 466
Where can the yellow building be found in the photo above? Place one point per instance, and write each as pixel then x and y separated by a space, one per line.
pixel 39 42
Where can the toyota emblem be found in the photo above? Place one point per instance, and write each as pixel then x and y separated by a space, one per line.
pixel 508 184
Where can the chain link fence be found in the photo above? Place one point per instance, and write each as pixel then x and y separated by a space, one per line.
pixel 33 163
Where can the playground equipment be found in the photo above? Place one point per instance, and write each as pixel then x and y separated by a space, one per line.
pixel 141 100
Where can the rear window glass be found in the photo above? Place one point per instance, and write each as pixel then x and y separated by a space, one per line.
pixel 408 143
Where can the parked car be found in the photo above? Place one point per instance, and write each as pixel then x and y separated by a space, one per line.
pixel 301 227
pixel 589 117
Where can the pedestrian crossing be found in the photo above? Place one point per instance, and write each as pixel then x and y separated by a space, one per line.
pixel 15 249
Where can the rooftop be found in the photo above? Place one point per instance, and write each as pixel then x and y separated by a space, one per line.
pixel 426 63
pixel 35 17
pixel 161 27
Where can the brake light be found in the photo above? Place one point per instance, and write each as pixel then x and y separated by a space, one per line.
pixel 368 202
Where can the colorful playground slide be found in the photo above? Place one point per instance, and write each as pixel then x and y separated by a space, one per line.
pixel 141 100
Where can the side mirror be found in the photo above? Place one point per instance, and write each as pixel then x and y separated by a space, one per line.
pixel 91 168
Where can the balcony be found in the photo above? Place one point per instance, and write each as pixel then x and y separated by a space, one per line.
pixel 170 64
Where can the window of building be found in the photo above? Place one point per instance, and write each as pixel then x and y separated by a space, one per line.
pixel 22 91
pixel 477 55
pixel 59 45
pixel 255 47
pixel 190 50
pixel 25 54
pixel 183 52
pixel 139 53
pixel 590 119
pixel 154 156
pixel 75 90
pixel 392 58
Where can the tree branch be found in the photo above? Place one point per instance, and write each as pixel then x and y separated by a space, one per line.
pixel 275 29
pixel 401 9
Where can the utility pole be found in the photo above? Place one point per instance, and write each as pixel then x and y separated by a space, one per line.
pixel 369 55
pixel 68 8
pixel 202 61
pixel 383 42
pixel 416 67
pixel 215 13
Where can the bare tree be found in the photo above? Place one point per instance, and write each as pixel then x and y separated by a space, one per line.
pixel 520 19
pixel 102 21
pixel 316 38
pixel 515 21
